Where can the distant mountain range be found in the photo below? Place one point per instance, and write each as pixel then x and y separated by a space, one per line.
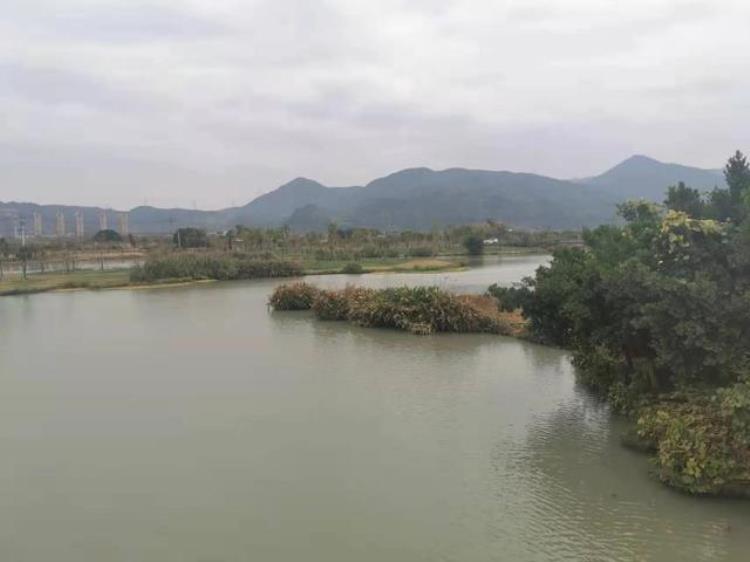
pixel 417 198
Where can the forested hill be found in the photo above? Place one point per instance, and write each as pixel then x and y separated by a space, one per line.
pixel 418 198
pixel 643 177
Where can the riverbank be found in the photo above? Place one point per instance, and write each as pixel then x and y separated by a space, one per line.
pixel 121 278
pixel 83 280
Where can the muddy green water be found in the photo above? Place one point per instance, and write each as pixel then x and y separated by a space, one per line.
pixel 192 424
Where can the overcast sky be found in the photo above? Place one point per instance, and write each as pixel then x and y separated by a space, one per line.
pixel 212 102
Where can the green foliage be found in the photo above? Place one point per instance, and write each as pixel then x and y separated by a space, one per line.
pixel 699 446
pixel 737 176
pixel 352 268
pixel 222 267
pixel 25 252
pixel 190 238
pixel 107 235
pixel 556 299
pixel 421 252
pixel 661 305
pixel 474 245
pixel 297 296
pixel 511 298
pixel 685 199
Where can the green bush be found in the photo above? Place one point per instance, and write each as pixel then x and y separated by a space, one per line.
pixel 509 298
pixel 107 235
pixel 352 268
pixel 474 245
pixel 699 447
pixel 422 252
pixel 190 238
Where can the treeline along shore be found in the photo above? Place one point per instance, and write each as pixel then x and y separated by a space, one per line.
pixel 190 254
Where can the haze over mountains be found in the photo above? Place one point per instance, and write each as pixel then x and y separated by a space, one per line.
pixel 417 198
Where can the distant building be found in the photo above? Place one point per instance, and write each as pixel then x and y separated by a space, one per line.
pixel 79 224
pixel 103 225
pixel 123 220
pixel 491 242
pixel 60 224
pixel 38 224
pixel 8 222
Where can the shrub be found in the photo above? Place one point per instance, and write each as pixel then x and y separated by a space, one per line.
pixel 296 296
pixel 422 252
pixel 699 447
pixel 510 298
pixel 190 238
pixel 352 268
pixel 474 245
pixel 107 235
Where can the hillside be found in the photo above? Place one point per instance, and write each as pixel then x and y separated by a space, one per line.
pixel 643 177
pixel 416 198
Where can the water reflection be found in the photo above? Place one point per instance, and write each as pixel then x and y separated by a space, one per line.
pixel 195 424
pixel 579 490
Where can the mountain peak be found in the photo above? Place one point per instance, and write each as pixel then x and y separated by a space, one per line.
pixel 641 176
pixel 301 183
pixel 639 159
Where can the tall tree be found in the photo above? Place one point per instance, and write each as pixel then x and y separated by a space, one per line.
pixel 737 175
pixel 686 199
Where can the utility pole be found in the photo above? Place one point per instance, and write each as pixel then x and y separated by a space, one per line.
pixel 24 253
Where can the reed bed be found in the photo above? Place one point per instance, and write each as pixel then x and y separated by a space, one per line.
pixel 294 296
pixel 419 310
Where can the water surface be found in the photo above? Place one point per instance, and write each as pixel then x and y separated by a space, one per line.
pixel 192 424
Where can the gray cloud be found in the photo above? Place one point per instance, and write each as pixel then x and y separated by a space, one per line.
pixel 111 102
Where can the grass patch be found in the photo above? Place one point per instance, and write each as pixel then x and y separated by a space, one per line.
pixel 222 267
pixel 382 265
pixel 43 282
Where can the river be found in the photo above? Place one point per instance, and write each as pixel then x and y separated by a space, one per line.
pixel 192 424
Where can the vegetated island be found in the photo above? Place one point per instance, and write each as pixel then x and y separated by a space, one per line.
pixel 656 313
pixel 419 310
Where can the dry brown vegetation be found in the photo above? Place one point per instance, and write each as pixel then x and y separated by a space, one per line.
pixel 419 310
